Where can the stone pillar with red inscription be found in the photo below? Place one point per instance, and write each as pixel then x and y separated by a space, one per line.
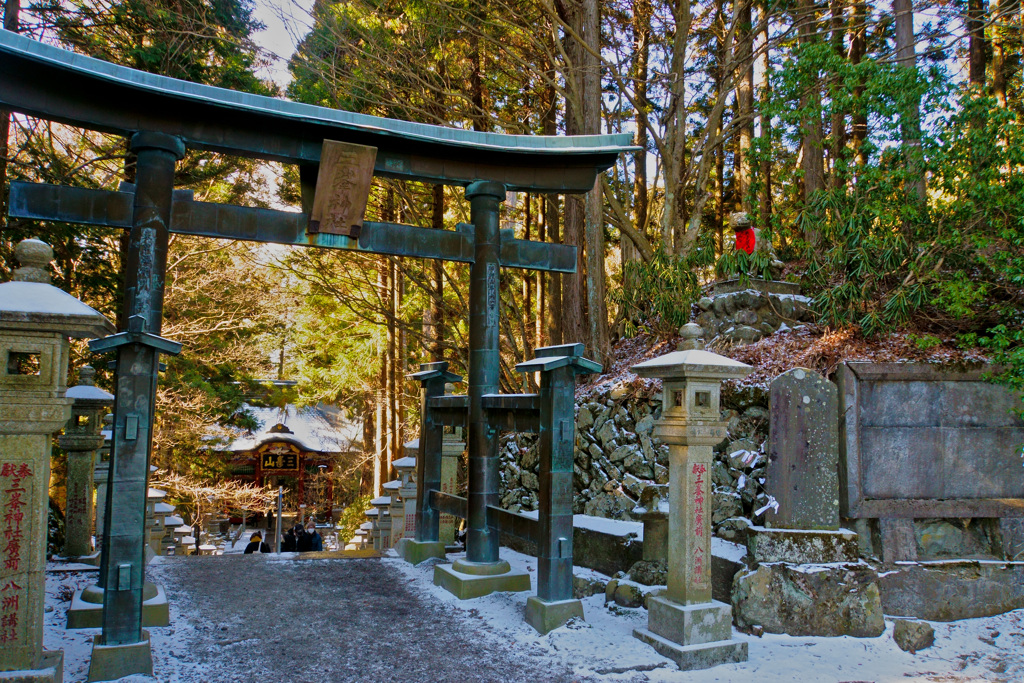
pixel 686 624
pixel 36 320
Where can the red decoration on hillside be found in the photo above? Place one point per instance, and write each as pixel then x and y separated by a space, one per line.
pixel 745 240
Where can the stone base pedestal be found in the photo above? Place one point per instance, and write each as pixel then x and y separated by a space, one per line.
pixel 467 580
pixel 798 546
pixel 547 616
pixel 693 636
pixel 111 662
pixel 950 590
pixel 85 612
pixel 692 657
pixel 51 670
pixel 415 552
pixel 92 559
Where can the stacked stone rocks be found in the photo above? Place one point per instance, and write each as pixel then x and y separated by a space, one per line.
pixel 747 315
pixel 617 458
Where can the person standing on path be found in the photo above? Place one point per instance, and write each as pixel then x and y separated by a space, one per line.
pixel 288 541
pixel 256 544
pixel 316 542
pixel 303 543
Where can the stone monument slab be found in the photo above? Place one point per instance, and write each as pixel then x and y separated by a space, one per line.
pixel 803 451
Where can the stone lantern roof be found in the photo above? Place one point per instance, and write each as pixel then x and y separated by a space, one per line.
pixel 692 361
pixel 86 392
pixel 29 302
pixel 406 463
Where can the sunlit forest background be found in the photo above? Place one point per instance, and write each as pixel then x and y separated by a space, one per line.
pixel 880 147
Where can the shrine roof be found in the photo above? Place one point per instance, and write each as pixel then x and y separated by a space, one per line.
pixel 46 81
pixel 320 428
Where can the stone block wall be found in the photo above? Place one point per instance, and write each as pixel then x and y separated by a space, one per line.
pixel 746 316
pixel 617 457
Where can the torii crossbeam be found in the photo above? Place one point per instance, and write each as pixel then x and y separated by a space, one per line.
pixel 163 117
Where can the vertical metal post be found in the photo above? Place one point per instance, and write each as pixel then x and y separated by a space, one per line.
pixel 432 378
pixel 557 430
pixel 559 366
pixel 123 559
pixel 484 368
pixel 277 527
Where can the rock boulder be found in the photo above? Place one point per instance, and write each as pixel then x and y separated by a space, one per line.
pixel 809 600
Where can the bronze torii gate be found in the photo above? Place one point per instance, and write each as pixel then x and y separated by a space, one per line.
pixel 163 117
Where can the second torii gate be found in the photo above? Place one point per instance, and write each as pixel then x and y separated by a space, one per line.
pixel 163 117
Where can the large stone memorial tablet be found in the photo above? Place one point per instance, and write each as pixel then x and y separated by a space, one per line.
pixel 803 452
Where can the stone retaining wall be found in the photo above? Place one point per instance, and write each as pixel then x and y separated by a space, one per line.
pixel 617 457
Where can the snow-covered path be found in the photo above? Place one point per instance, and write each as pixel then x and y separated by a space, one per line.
pixel 264 618
pixel 281 618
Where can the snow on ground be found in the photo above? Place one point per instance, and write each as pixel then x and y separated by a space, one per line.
pixel 990 649
pixel 602 648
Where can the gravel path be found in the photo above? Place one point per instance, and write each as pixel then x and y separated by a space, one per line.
pixel 261 618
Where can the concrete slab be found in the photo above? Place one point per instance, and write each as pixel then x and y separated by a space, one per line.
pixel 468 586
pixel 51 670
pixel 547 616
pixel 86 614
pixel 800 546
pixel 706 622
pixel 693 657
pixel 414 552
pixel 111 662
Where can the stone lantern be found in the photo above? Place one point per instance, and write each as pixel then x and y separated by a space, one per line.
pixel 81 440
pixel 406 527
pixel 36 320
pixel 100 478
pixel 383 506
pixel 685 624
pixel 397 509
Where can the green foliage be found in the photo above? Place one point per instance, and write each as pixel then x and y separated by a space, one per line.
pixel 352 517
pixel 924 341
pixel 734 261
pixel 202 41
pixel 656 296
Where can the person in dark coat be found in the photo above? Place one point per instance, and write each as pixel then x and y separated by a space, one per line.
pixel 303 541
pixel 288 542
pixel 256 544
pixel 316 542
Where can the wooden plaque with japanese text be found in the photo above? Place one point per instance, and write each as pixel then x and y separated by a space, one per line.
pixel 342 188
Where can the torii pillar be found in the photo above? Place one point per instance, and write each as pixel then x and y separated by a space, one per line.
pixel 123 648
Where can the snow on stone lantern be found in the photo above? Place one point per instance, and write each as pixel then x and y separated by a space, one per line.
pixel 81 441
pixel 373 514
pixel 383 505
pixel 686 624
pixel 36 320
pixel 396 510
pixel 406 527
